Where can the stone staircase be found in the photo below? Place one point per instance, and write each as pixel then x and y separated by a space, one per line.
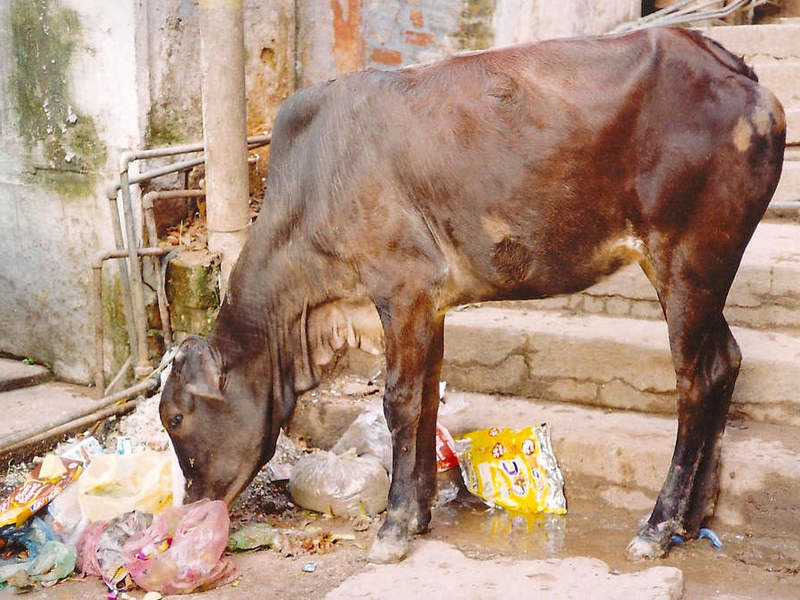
pixel 31 403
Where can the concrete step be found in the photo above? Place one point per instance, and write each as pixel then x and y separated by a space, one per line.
pixel 759 43
pixel 31 408
pixel 789 185
pixel 618 457
pixel 783 79
pixel 765 293
pixel 793 124
pixel 16 374
pixel 610 362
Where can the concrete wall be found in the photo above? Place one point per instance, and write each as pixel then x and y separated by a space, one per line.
pixel 80 81
pixel 173 106
pixel 67 83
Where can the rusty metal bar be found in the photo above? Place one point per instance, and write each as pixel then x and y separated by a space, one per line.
pixel 97 283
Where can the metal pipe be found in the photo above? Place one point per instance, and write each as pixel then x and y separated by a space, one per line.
pixel 125 281
pixel 253 142
pixel 142 365
pixel 118 377
pixel 131 155
pixel 97 284
pixel 10 441
pixel 81 423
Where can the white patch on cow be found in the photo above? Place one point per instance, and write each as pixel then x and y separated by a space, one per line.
pixel 760 118
pixel 742 133
pixel 177 477
pixel 620 251
pixel 496 228
pixel 769 113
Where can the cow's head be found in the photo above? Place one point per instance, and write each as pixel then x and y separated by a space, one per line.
pixel 219 419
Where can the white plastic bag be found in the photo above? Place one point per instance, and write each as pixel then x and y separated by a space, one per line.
pixel 368 434
pixel 343 485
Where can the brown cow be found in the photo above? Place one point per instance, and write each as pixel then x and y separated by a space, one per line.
pixel 522 172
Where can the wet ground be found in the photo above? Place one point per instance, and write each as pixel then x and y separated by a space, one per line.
pixel 335 550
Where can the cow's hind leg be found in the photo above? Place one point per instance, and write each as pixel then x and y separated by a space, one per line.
pixel 707 360
pixel 413 334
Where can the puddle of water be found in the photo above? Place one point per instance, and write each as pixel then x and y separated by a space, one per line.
pixel 743 568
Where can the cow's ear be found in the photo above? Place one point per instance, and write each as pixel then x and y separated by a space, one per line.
pixel 200 370
pixel 184 350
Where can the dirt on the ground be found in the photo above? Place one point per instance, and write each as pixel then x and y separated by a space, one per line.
pixel 316 553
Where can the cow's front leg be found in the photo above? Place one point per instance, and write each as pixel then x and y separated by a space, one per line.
pixel 426 433
pixel 411 331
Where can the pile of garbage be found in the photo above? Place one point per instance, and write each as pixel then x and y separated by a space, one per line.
pixel 516 470
pixel 83 511
pixel 111 515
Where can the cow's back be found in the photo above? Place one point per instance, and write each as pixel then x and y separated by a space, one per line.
pixel 533 170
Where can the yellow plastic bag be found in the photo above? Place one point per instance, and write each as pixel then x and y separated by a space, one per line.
pixel 513 469
pixel 115 483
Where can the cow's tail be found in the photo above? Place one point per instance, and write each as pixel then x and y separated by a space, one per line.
pixel 728 59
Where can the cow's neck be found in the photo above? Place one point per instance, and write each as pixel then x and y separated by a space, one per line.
pixel 262 324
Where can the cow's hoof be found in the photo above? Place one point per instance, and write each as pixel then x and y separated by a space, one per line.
pixel 643 549
pixel 387 550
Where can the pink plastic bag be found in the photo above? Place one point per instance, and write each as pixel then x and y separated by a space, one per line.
pixel 181 552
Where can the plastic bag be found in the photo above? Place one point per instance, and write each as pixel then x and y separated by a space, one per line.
pixel 114 484
pixel 65 517
pixel 346 485
pixel 368 434
pixel 100 548
pixel 254 535
pixel 513 469
pixel 181 551
pixel 38 557
pixel 87 544
pixel 24 542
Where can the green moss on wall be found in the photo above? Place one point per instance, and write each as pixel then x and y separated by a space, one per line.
pixel 63 143
pixel 114 321
pixel 475 25
pixel 164 130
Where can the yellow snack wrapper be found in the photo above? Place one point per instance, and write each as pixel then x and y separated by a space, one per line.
pixel 513 469
pixel 44 483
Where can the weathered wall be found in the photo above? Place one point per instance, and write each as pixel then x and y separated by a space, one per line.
pixel 68 102
pixel 80 81
pixel 340 36
pixel 174 79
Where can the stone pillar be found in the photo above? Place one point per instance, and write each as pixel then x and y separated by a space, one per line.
pixel 224 129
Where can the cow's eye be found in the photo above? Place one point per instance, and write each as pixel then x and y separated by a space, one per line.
pixel 174 422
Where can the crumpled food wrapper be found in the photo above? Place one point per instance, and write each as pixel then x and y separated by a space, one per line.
pixel 513 469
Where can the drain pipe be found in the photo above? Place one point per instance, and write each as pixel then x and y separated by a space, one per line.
pixel 150 227
pixel 97 292
pixel 141 366
pixel 224 129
